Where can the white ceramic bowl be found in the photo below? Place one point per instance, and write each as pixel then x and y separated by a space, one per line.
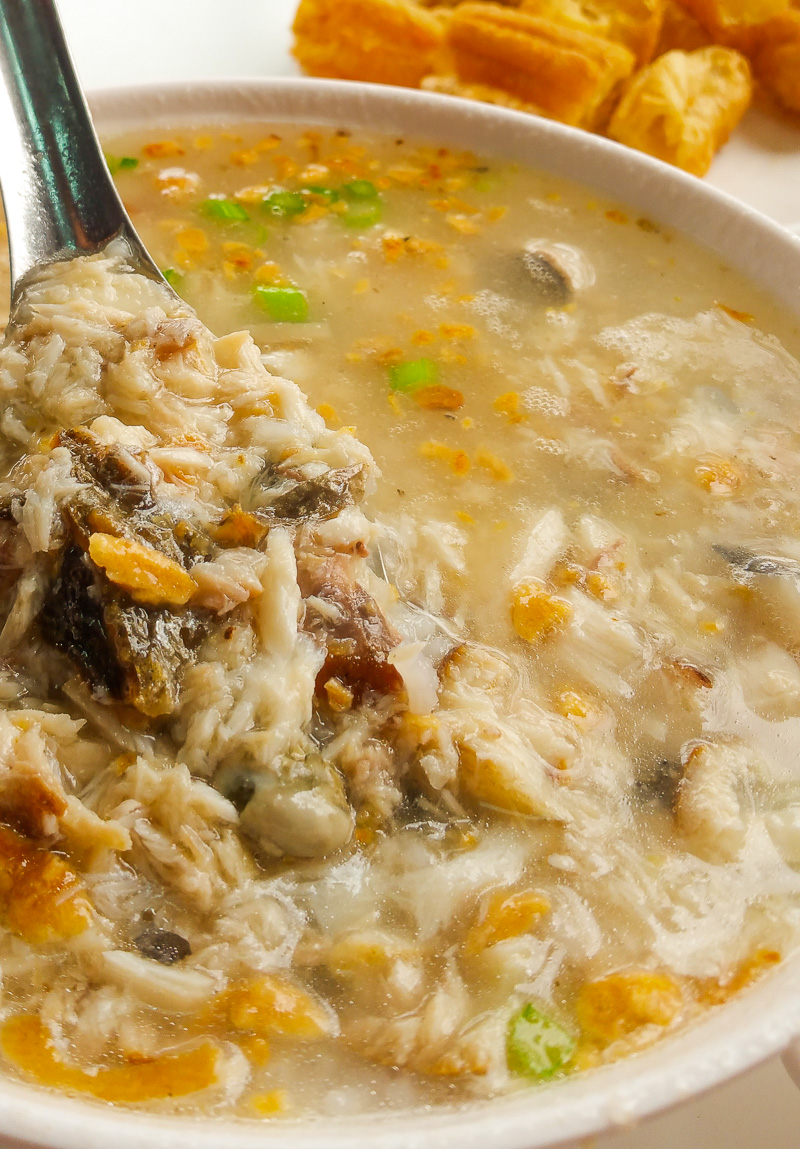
pixel 761 1021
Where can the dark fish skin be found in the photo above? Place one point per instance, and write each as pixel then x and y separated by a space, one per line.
pixel 131 653
pixel 127 652
pixel 315 499
pixel 112 469
pixel 153 647
pixel 117 499
pixel 72 620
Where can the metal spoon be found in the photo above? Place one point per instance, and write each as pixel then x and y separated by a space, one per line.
pixel 58 195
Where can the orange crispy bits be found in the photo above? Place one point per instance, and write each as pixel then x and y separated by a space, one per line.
pixel 396 246
pixel 145 573
pixel 271 1005
pixel 271 1104
pixel 720 477
pixel 329 414
pixel 239 254
pixel 193 239
pixel 161 149
pixel 257 1050
pixel 239 528
pixel 683 107
pixel 456 331
pixel 617 1005
pixel 506 916
pixel 176 183
pixel 634 23
pixel 458 461
pixel 440 398
pixel 572 705
pixel 495 466
pixel 536 614
pixel 739 316
pixel 384 41
pixel 41 895
pixel 508 404
pixel 26 1042
pixel 562 71
pixel 244 157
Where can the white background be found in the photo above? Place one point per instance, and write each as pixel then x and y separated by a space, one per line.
pixel 133 41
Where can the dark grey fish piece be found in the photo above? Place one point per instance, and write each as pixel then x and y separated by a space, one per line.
pixel 549 282
pixel 162 946
pixel 750 563
pixel 131 653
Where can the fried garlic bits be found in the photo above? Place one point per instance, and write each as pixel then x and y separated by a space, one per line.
pixel 683 107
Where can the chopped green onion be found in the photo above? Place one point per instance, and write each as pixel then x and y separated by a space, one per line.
pixel 173 277
pixel 224 210
pixel 537 1046
pixel 360 190
pixel 121 163
pixel 327 195
pixel 283 304
pixel 363 214
pixel 285 203
pixel 413 375
pixel 365 206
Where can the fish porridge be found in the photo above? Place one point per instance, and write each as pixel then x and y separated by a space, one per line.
pixel 423 740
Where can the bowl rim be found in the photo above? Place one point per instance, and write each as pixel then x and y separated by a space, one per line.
pixel 758 1023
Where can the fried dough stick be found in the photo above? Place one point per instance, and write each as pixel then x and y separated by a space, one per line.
pixel 569 75
pixel 383 41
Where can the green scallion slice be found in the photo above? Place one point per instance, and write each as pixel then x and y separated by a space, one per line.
pixel 121 163
pixel 360 190
pixel 413 375
pixel 224 210
pixel 174 278
pixel 537 1046
pixel 282 304
pixel 363 213
pixel 285 204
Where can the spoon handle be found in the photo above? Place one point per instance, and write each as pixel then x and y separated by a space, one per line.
pixel 58 195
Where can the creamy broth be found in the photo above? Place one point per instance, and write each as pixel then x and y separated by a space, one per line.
pixel 560 806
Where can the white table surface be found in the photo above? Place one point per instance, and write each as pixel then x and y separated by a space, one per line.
pixel 136 41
